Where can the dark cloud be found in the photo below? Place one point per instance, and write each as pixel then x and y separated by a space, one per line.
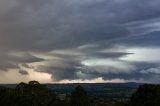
pixel 58 24
pixel 109 54
pixel 61 69
pixel 28 58
pixel 155 70
pixel 12 61
pixel 61 35
pixel 23 72
pixel 150 39
pixel 26 65
pixel 4 65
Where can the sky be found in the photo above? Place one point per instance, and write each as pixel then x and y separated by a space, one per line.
pixel 80 41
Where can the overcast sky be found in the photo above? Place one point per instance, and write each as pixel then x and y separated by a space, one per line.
pixel 68 41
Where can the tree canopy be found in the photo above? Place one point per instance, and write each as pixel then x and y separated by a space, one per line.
pixel 146 95
pixel 79 97
pixel 31 94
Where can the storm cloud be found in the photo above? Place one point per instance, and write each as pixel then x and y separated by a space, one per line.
pixel 81 40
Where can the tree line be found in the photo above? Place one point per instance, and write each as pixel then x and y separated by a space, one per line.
pixel 36 94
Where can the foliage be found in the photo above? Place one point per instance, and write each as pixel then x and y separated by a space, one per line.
pixel 36 94
pixel 79 97
pixel 32 94
pixel 146 95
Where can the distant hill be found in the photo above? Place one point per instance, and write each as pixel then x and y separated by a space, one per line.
pixel 93 86
pixel 87 86
pixel 8 85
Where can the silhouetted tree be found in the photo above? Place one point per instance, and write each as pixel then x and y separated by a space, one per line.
pixel 32 94
pixel 79 97
pixel 146 95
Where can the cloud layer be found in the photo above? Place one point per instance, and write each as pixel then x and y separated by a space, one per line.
pixel 81 40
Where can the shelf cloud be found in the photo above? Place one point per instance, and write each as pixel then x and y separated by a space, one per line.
pixel 80 40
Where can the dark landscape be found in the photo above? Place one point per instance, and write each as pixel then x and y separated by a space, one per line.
pixel 79 52
pixel 99 94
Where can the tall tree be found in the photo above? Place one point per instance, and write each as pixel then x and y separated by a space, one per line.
pixel 79 97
